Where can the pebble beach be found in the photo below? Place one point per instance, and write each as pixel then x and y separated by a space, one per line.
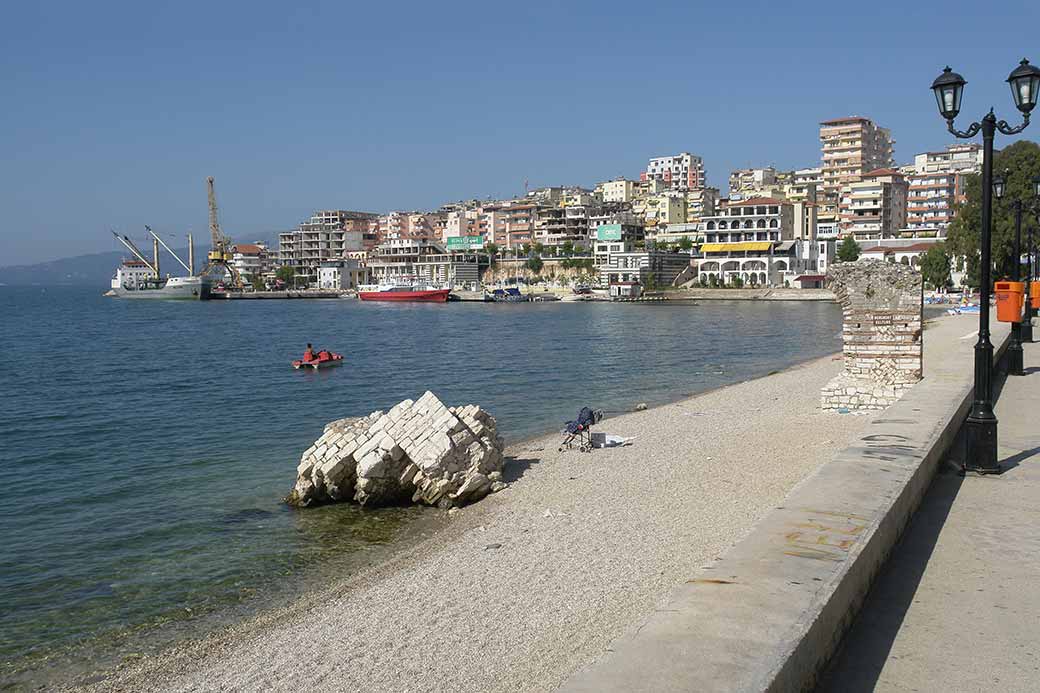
pixel 520 590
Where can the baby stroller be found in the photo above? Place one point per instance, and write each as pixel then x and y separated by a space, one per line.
pixel 581 429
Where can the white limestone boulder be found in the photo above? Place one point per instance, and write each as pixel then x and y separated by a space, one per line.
pixel 420 450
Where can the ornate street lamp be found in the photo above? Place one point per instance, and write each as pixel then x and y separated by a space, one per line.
pixel 998 187
pixel 981 425
pixel 1014 353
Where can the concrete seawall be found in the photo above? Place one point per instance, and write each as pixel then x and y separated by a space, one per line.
pixel 768 615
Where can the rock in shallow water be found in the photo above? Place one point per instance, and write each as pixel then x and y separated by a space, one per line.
pixel 422 450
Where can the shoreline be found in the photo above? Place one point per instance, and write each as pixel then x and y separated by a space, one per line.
pixel 417 551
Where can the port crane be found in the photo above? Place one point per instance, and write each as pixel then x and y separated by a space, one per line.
pixel 220 253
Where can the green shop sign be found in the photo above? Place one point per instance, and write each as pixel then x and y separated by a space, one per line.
pixel 608 232
pixel 465 242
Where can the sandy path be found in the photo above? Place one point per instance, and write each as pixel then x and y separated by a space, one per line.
pixel 532 583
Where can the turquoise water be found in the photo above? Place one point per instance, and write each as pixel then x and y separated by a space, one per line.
pixel 145 446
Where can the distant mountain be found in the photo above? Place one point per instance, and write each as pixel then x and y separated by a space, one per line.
pixel 97 269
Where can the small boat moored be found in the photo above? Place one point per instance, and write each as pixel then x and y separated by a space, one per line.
pixel 324 359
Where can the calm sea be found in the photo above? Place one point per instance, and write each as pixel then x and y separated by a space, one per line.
pixel 145 446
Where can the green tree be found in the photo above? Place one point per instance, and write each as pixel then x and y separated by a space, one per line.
pixel 849 250
pixel 286 274
pixel 258 283
pixel 538 248
pixel 535 264
pixel 685 244
pixel 714 281
pixel 935 267
pixel 704 281
pixel 737 282
pixel 1022 162
pixel 491 249
pixel 567 248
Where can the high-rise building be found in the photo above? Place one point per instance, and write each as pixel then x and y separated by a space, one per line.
pixel 851 147
pixel 327 235
pixel 936 185
pixel 683 171
pixel 875 205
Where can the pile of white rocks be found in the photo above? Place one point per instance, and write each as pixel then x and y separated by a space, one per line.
pixel 422 450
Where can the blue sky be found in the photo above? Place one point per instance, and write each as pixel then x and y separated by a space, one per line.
pixel 113 113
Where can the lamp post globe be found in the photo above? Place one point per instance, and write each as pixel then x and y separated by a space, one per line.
pixel 998 187
pixel 1025 83
pixel 948 89
pixel 1036 187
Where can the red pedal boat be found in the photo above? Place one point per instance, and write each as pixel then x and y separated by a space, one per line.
pixel 324 359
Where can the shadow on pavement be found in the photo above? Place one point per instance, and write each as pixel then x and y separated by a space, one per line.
pixel 864 650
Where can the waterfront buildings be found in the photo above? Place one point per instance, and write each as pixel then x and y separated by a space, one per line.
pixel 252 260
pixel 874 206
pixel 754 241
pixel 341 274
pixel 327 235
pixel 850 148
pixel 683 171
pixel 623 258
pixel 406 260
pixel 619 235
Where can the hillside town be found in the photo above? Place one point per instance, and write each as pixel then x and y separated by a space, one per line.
pixel 664 227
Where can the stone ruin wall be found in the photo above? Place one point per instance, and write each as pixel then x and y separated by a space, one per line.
pixel 882 305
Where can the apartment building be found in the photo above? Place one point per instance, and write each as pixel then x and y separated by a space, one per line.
pixel 701 202
pixel 665 208
pixel 850 147
pixel 327 235
pixel 517 221
pixel 874 206
pixel 617 190
pixel 744 182
pixel 683 171
pixel 559 225
pixel 936 186
pixel 956 158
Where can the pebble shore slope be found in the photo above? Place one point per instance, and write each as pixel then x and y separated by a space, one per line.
pixel 518 591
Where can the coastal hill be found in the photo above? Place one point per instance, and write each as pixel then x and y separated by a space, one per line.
pixel 96 269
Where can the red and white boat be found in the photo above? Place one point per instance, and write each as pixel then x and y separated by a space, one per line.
pixel 403 292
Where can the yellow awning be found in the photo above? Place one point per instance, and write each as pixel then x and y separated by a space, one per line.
pixel 753 246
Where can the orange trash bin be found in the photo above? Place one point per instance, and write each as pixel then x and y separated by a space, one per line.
pixel 1034 294
pixel 1009 300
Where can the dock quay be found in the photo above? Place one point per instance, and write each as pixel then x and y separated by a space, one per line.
pixel 272 295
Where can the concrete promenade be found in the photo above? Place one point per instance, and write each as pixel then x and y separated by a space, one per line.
pixel 957 607
pixel 771 612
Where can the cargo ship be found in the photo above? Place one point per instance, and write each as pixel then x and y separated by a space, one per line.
pixel 403 292
pixel 141 278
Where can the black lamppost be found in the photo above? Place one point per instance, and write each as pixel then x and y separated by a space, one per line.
pixel 1015 364
pixel 981 425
